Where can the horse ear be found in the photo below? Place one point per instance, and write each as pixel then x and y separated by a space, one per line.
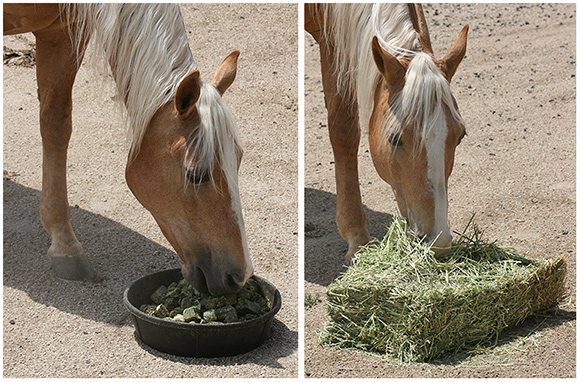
pixel 388 65
pixel 187 93
pixel 226 72
pixel 455 54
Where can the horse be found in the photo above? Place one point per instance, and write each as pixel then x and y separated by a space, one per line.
pixel 379 70
pixel 185 149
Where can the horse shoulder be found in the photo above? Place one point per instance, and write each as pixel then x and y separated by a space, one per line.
pixel 23 18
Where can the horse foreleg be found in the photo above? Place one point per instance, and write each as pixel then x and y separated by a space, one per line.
pixel 56 70
pixel 344 135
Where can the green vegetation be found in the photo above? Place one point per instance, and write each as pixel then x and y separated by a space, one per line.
pixel 398 299
pixel 181 302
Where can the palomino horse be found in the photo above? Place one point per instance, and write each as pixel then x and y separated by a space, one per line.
pixel 185 151
pixel 378 69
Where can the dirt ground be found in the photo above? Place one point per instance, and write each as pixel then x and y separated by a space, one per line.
pixel 515 170
pixel 54 328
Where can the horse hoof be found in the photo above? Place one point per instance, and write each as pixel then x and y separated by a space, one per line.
pixel 348 259
pixel 354 246
pixel 71 267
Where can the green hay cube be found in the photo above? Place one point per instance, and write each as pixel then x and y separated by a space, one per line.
pixel 192 314
pixel 398 299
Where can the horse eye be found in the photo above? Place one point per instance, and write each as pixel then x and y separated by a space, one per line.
pixel 395 140
pixel 198 176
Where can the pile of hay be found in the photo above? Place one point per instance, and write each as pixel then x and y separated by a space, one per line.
pixel 398 299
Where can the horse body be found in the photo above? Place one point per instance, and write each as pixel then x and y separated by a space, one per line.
pixel 185 150
pixel 378 68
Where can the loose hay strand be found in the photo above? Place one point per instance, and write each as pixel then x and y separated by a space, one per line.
pixel 397 298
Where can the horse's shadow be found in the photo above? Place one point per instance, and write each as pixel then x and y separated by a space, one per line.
pixel 324 248
pixel 119 256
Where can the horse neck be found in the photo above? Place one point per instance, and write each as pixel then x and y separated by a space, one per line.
pixel 351 30
pixel 147 49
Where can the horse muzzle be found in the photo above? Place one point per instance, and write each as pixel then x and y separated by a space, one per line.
pixel 216 278
pixel 440 244
pixel 436 234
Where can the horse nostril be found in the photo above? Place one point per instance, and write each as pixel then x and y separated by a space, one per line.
pixel 235 282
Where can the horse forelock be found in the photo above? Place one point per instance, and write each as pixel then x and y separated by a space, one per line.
pixel 215 141
pixel 422 104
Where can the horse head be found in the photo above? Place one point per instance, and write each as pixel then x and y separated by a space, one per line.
pixel 185 174
pixel 414 130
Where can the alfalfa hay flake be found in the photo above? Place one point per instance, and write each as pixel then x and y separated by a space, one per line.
pixel 397 298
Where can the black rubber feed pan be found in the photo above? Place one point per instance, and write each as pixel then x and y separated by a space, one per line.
pixel 191 339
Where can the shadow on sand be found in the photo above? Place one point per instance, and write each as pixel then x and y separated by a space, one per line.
pixel 119 256
pixel 324 248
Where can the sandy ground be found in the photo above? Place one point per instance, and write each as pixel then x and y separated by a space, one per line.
pixel 54 328
pixel 515 170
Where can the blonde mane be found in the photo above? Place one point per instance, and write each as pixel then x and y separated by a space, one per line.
pixel 350 28
pixel 147 49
